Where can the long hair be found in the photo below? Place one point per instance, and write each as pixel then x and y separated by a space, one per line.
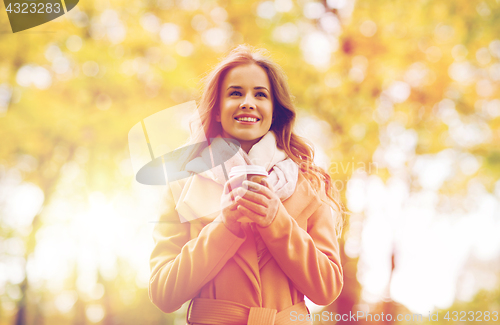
pixel 296 147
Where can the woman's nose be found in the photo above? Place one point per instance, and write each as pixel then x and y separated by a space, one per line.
pixel 248 102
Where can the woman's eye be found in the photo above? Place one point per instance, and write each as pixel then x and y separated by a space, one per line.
pixel 261 94
pixel 235 93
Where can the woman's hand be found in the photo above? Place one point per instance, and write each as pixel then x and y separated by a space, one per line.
pixel 230 214
pixel 258 203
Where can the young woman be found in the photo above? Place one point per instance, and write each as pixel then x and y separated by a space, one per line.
pixel 257 272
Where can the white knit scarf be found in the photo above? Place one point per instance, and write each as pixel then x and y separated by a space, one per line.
pixel 283 170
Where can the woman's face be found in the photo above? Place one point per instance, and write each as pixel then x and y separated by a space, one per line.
pixel 246 106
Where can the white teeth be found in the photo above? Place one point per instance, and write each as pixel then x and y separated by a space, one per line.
pixel 247 119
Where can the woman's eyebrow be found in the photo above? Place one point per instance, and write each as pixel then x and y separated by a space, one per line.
pixel 238 87
pixel 262 88
pixel 256 88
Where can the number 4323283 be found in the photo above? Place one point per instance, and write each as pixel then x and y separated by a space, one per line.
pixel 33 8
pixel 471 316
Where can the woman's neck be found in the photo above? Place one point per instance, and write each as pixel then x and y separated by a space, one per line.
pixel 245 145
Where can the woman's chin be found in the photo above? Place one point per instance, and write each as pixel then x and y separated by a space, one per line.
pixel 250 138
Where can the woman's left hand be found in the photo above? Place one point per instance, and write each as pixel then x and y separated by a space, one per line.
pixel 259 203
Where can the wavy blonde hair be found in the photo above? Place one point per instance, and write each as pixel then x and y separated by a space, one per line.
pixel 296 147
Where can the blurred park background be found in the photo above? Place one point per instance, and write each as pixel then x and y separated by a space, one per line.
pixel 399 97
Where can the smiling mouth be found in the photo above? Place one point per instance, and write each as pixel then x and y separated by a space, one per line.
pixel 247 119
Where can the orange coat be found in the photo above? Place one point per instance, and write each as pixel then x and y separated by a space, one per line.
pixel 206 260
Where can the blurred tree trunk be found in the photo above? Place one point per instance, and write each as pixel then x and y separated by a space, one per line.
pixel 79 308
pixel 46 179
pixel 21 304
pixel 109 315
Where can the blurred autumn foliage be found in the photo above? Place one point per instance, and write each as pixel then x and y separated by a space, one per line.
pixel 411 86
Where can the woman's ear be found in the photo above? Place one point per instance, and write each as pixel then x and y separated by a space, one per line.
pixel 217 117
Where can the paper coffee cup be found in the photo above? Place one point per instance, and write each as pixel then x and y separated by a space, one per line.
pixel 253 173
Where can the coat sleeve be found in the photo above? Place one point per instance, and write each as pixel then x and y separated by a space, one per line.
pixel 311 258
pixel 181 266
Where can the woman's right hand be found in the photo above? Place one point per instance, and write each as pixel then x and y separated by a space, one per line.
pixel 230 214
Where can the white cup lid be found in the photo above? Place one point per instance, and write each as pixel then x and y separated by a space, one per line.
pixel 248 169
